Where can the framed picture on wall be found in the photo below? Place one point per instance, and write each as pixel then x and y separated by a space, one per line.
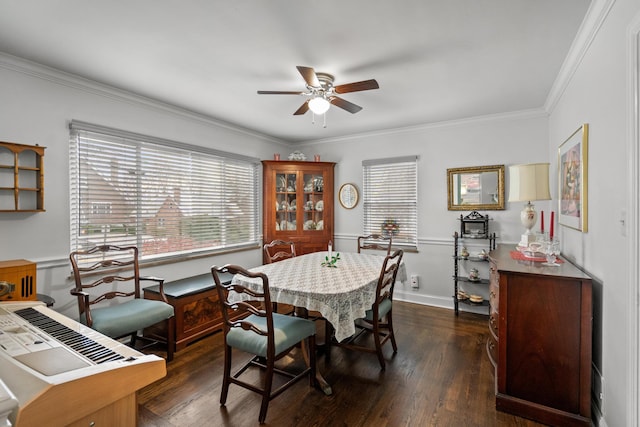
pixel 572 179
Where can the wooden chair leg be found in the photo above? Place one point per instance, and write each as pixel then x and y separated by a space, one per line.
pixel 266 393
pixel 226 375
pixel 376 340
pixel 132 340
pixel 170 338
pixel 312 361
pixel 393 336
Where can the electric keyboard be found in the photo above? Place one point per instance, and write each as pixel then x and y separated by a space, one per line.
pixel 63 372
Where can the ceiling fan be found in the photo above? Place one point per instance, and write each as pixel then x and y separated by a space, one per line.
pixel 322 92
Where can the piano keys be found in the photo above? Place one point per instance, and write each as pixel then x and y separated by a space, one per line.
pixel 63 373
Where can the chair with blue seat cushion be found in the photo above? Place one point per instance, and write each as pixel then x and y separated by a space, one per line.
pixel 266 335
pixel 107 286
pixel 378 319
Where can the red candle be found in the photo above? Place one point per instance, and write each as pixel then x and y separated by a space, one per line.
pixel 542 222
pixel 551 226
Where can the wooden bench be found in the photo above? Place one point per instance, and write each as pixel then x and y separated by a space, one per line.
pixel 197 310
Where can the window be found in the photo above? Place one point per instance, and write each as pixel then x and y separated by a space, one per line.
pixel 390 199
pixel 167 198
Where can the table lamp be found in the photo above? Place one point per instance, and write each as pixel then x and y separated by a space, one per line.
pixel 528 183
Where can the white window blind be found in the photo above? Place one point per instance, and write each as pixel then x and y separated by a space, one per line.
pixel 390 199
pixel 167 198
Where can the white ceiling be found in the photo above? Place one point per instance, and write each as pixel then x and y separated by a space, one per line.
pixel 435 60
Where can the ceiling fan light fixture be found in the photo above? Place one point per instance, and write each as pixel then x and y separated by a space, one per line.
pixel 319 105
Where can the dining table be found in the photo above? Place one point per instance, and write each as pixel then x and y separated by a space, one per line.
pixel 341 293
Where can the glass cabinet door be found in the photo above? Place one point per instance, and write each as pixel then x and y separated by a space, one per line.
pixel 313 201
pixel 286 203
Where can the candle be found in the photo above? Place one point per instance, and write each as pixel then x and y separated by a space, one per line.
pixel 330 250
pixel 542 222
pixel 551 226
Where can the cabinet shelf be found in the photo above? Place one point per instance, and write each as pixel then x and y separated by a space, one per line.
pixel 484 303
pixel 466 279
pixel 472 258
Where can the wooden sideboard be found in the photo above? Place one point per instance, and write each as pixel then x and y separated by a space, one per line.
pixel 540 339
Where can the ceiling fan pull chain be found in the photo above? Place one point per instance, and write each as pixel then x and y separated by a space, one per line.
pixel 324 125
pixel 313 118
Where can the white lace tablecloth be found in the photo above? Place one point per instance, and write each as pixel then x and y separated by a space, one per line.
pixel 341 294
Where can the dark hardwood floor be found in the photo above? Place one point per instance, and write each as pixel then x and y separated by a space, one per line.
pixel 441 376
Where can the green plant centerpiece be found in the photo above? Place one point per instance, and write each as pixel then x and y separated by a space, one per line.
pixel 331 261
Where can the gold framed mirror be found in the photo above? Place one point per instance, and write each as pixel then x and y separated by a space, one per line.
pixel 475 188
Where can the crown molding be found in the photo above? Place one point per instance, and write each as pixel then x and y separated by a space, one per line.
pixel 591 24
pixel 76 82
pixel 513 115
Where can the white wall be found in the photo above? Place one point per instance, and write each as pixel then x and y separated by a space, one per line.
pixel 505 139
pixel 598 94
pixel 36 109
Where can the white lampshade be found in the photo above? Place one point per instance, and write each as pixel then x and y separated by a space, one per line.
pixel 526 183
pixel 319 105
pixel 529 182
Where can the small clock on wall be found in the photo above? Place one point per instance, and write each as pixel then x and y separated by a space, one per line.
pixel 348 195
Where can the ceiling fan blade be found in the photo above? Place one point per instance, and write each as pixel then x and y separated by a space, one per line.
pixel 303 109
pixel 278 92
pixel 357 86
pixel 345 105
pixel 309 76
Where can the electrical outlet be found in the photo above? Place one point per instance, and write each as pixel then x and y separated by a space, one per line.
pixel 414 281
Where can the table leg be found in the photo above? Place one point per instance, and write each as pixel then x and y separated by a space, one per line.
pixel 324 385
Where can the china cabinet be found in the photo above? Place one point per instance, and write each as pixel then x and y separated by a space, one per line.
pixel 468 269
pixel 298 203
pixel 540 339
pixel 21 177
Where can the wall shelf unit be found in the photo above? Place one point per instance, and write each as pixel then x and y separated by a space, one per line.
pixel 473 227
pixel 21 177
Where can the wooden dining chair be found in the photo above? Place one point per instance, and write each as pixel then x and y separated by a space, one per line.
pixel 375 241
pixel 107 287
pixel 266 335
pixel 277 250
pixel 378 320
